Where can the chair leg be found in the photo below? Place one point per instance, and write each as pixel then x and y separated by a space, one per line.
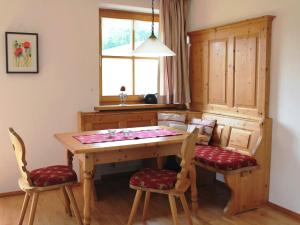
pixel 186 209
pixel 74 204
pixel 194 191
pixel 173 209
pixel 67 202
pixel 24 208
pixel 135 205
pixel 146 204
pixel 33 208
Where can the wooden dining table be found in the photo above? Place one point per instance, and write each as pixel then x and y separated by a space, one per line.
pixel 118 151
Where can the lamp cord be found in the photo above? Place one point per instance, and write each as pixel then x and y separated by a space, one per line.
pixel 152 27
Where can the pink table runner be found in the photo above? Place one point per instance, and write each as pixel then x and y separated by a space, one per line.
pixel 125 135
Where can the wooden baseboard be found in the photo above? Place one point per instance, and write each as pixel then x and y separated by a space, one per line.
pixel 10 194
pixel 284 210
pixel 15 193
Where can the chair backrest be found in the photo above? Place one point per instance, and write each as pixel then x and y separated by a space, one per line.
pixel 187 155
pixel 19 149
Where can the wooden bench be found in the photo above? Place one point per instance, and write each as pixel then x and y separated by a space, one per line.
pixel 251 137
pixel 249 185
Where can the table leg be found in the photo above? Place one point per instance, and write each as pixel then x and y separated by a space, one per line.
pixel 161 162
pixel 194 191
pixel 88 167
pixel 70 156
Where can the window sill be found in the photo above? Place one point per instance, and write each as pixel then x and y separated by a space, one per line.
pixel 137 107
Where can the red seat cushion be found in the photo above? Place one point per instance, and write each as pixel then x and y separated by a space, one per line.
pixel 52 175
pixel 154 179
pixel 223 159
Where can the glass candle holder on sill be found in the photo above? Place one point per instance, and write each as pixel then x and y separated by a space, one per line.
pixel 123 98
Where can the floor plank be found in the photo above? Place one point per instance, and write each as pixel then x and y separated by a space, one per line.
pixel 115 204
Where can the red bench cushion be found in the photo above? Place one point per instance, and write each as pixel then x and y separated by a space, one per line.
pixel 52 175
pixel 154 179
pixel 223 159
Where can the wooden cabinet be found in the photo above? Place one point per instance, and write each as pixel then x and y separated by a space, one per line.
pixel 229 68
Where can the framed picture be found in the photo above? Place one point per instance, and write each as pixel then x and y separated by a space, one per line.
pixel 21 52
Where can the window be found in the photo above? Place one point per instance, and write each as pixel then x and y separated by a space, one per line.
pixel 120 33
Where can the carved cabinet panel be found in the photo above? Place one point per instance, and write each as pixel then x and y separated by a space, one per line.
pixel 229 68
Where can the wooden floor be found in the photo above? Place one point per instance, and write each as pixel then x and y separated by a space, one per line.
pixel 115 203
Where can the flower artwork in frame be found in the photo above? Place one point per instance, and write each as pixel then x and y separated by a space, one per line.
pixel 21 52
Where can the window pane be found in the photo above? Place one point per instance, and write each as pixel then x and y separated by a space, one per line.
pixel 116 73
pixel 116 37
pixel 146 75
pixel 142 31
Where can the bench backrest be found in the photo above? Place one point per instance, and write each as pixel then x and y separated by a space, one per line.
pixel 237 134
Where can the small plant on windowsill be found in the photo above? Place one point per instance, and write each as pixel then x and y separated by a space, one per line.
pixel 122 95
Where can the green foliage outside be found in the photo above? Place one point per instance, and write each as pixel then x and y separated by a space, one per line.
pixel 123 37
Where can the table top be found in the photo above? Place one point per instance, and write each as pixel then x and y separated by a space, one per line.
pixel 76 147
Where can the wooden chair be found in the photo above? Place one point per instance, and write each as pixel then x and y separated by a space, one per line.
pixel 166 182
pixel 32 183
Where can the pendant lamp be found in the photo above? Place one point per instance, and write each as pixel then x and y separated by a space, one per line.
pixel 153 47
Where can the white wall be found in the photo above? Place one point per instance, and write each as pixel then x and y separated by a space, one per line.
pixel 130 5
pixel 285 82
pixel 39 105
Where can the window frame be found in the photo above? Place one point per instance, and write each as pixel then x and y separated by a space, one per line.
pixel 118 14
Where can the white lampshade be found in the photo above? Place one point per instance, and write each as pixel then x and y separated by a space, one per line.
pixel 153 47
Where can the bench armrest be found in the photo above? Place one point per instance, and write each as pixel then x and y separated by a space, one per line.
pixel 261 133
